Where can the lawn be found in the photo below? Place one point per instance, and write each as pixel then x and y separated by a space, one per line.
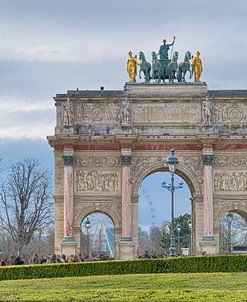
pixel 149 287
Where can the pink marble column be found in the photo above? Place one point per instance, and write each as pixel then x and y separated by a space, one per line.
pixel 208 196
pixel 126 200
pixel 68 195
pixel 126 197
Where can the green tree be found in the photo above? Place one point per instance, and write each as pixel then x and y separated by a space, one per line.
pixel 183 223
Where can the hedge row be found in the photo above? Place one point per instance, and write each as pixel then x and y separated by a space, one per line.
pixel 144 266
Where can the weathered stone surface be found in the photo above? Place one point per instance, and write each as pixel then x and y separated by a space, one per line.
pixel 129 133
pixel 97 181
pixel 166 90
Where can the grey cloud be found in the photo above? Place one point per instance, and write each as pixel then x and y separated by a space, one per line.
pixel 138 15
pixel 216 28
pixel 43 80
pixel 28 118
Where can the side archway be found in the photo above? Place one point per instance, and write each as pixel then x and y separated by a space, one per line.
pixel 238 207
pixel 93 209
pixel 98 237
pixel 110 209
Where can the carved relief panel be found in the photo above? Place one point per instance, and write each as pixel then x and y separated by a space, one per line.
pixel 230 181
pixel 97 161
pixel 229 113
pixel 230 173
pixel 97 174
pixel 97 181
pixel 231 161
pixel 92 113
pixel 167 113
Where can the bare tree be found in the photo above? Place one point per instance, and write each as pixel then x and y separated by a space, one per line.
pixel 26 202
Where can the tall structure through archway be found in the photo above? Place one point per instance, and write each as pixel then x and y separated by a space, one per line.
pixel 107 142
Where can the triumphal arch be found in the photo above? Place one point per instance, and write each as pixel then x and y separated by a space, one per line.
pixel 107 142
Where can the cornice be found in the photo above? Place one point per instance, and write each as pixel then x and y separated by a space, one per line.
pixel 145 139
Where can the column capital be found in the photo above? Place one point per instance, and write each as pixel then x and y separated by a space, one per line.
pixel 208 159
pixel 125 160
pixel 69 160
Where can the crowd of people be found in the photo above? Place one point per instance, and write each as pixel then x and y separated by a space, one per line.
pixel 35 259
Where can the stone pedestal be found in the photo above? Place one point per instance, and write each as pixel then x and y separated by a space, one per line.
pixel 208 246
pixel 126 248
pixel 167 89
pixel 68 246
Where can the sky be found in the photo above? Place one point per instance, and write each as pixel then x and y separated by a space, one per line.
pixel 49 47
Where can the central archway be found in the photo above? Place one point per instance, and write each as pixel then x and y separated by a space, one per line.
pixel 154 212
pixel 194 185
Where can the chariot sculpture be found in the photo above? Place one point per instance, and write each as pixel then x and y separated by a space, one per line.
pixel 164 68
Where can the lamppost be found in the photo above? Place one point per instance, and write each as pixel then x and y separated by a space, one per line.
pixel 229 218
pixel 190 237
pixel 88 226
pixel 178 228
pixel 172 162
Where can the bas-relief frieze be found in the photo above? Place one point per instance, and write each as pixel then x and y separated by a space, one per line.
pixel 229 113
pixel 230 181
pixel 167 113
pixel 102 113
pixel 230 161
pixel 123 113
pixel 99 161
pixel 97 181
pixel 80 113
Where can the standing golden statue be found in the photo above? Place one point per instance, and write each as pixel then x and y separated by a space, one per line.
pixel 197 66
pixel 132 67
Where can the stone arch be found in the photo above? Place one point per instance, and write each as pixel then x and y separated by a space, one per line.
pixel 157 166
pixel 87 210
pixel 234 207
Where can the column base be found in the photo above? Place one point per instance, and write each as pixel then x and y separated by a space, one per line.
pixel 126 248
pixel 126 239
pixel 208 245
pixel 68 246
